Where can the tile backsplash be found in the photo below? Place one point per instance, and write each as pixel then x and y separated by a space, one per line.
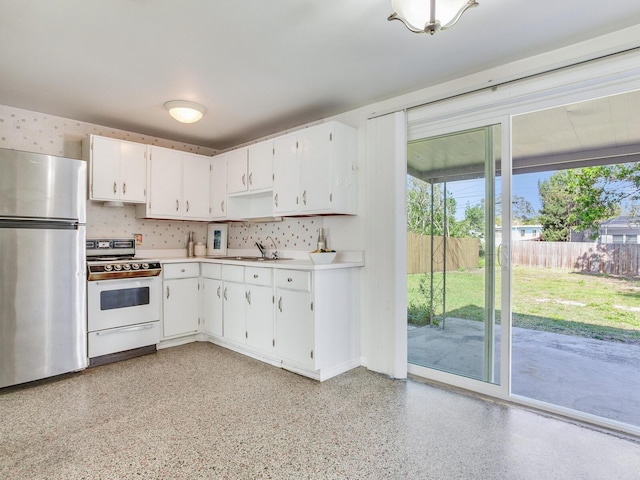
pixel 51 135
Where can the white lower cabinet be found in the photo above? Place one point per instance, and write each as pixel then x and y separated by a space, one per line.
pixel 180 304
pixel 212 306
pixel 233 313
pixel 259 309
pixel 294 318
pixel 303 320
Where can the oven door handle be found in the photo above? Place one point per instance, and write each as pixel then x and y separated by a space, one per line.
pixel 134 328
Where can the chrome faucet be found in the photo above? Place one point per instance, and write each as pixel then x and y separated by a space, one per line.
pixel 274 254
pixel 263 251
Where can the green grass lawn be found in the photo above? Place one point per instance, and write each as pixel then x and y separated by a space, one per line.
pixel 593 306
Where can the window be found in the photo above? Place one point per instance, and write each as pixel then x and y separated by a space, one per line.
pixel 618 238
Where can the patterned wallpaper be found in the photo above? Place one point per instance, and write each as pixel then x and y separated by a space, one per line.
pixel 51 135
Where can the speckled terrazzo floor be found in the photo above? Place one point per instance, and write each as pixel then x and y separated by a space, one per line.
pixel 199 411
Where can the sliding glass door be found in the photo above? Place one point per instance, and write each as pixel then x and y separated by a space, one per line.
pixel 454 238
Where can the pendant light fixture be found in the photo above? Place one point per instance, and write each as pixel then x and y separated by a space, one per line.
pixel 184 111
pixel 422 16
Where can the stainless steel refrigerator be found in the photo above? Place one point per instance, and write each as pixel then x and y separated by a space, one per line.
pixel 43 328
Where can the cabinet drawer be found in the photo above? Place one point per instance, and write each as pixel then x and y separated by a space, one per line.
pixel 212 270
pixel 257 276
pixel 293 279
pixel 180 270
pixel 120 339
pixel 233 273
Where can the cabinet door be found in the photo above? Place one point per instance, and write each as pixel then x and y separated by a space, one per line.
pixel 286 182
pixel 237 171
pixel 234 312
pixel 294 327
pixel 133 172
pixel 165 182
pixel 195 189
pixel 218 187
pixel 260 170
pixel 180 307
pixel 260 318
pixel 212 306
pixel 105 169
pixel 315 154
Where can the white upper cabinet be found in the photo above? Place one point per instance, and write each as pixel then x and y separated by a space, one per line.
pixel 117 169
pixel 286 175
pixel 195 189
pixel 315 171
pixel 237 170
pixel 218 187
pixel 178 185
pixel 250 169
pixel 260 169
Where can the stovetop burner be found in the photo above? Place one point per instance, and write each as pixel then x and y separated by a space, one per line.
pixel 113 259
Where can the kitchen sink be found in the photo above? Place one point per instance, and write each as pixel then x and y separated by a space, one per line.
pixel 250 258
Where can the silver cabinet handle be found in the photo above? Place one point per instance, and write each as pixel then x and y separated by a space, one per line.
pixel 275 199
pixel 187 205
pixel 304 197
pixel 177 205
pixel 280 304
pixel 225 293
pixel 251 178
pixel 124 188
pixel 255 275
pixel 219 287
pixel 244 179
pixel 289 279
pixel 248 296
pixel 168 292
pixel 115 187
pixel 222 206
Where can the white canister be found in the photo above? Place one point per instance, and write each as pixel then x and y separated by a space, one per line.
pixel 200 249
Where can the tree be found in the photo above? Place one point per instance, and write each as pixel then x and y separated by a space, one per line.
pixel 419 197
pixel 558 203
pixel 522 213
pixel 601 192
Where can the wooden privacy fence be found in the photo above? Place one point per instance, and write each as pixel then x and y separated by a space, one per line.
pixel 609 258
pixel 461 253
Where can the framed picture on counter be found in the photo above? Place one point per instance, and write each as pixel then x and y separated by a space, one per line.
pixel 217 239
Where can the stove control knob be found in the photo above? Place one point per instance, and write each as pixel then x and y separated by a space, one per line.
pixel 145 266
pixel 135 266
pixel 126 266
pixel 108 268
pixel 117 267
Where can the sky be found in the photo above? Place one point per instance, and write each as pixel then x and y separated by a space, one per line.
pixel 471 192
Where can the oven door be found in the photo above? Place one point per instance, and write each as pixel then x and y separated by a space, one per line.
pixel 122 302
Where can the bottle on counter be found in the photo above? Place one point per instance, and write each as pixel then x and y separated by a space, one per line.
pixel 190 245
pixel 321 241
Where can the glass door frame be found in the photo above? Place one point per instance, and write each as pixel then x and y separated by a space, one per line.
pixel 501 390
pixel 601 77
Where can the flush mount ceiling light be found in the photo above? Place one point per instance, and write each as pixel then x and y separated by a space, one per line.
pixel 422 16
pixel 185 112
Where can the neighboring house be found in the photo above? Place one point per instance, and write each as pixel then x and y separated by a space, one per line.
pixel 521 233
pixel 621 229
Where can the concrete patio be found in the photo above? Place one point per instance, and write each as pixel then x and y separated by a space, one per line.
pixel 592 376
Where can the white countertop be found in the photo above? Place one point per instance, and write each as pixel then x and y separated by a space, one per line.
pixel 293 259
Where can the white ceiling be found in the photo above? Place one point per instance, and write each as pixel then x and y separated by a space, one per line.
pixel 258 66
